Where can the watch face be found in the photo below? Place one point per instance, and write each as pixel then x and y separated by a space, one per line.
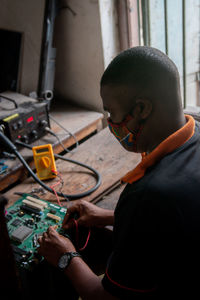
pixel 63 261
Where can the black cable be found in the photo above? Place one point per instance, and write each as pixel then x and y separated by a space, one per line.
pixel 9 99
pixel 48 130
pixel 66 130
pixel 10 147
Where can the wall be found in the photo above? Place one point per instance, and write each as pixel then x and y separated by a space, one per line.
pixel 25 16
pixel 83 38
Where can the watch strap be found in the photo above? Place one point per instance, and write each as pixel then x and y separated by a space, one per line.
pixel 69 255
pixel 73 254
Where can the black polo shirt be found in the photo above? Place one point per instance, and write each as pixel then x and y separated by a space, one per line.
pixel 156 250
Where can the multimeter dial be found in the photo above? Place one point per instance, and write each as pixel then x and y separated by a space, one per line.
pixel 44 161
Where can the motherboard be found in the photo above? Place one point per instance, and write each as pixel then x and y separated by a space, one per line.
pixel 27 219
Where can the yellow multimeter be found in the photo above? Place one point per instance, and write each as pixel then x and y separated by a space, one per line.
pixel 44 161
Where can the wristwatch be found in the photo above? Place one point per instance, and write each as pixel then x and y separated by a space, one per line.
pixel 65 259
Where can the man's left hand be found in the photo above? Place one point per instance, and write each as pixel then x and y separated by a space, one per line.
pixel 53 245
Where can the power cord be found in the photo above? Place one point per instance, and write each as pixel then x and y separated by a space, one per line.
pixel 67 131
pixel 10 147
pixel 77 236
pixel 47 129
pixel 9 99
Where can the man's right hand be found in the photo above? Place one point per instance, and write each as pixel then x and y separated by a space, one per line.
pixel 88 215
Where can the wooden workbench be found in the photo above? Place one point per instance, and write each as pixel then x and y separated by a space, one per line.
pixel 81 122
pixel 101 151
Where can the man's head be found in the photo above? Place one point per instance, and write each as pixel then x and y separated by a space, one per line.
pixel 144 83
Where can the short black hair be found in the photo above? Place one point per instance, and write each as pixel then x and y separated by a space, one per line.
pixel 145 67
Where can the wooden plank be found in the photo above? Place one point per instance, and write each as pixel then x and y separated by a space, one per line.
pixel 78 121
pixel 73 118
pixel 104 153
pixel 110 200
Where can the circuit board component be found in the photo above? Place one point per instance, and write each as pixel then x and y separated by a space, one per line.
pixel 21 233
pixel 27 219
pixel 53 217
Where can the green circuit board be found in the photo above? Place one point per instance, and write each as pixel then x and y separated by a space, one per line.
pixel 27 219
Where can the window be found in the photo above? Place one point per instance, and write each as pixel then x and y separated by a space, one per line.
pixel 173 26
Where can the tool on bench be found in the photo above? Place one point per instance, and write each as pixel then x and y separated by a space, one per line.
pixel 3 166
pixel 44 161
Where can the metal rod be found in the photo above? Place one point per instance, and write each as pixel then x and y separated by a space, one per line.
pixel 184 54
pixel 123 24
pixel 166 26
pixel 139 22
pixel 149 24
pixel 146 22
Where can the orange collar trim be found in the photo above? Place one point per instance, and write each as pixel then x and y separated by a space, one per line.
pixel 171 143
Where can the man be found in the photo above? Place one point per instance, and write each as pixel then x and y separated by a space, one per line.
pixel 157 219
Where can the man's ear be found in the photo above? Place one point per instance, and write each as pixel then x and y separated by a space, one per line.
pixel 143 108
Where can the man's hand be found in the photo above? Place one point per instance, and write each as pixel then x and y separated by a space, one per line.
pixel 53 245
pixel 88 215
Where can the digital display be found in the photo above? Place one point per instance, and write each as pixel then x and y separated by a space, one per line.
pixel 30 119
pixel 42 150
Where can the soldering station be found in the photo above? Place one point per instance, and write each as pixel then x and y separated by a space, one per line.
pixel 23 118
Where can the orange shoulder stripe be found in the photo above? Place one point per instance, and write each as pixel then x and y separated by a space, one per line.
pixel 171 143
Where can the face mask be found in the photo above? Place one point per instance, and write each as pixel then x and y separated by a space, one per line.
pixel 128 139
